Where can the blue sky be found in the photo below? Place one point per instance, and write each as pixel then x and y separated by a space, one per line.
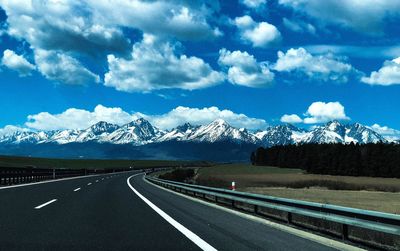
pixel 250 62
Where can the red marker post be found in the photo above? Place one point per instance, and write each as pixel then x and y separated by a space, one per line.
pixel 233 186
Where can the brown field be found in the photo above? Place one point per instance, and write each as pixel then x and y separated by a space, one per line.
pixel 382 194
pixel 14 161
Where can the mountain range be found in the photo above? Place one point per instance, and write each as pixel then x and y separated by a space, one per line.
pixel 141 139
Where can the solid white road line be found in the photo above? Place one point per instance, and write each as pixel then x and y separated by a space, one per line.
pixel 189 234
pixel 89 184
pixel 76 190
pixel 301 233
pixel 45 204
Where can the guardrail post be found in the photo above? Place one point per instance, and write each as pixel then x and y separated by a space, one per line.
pixel 289 218
pixel 345 232
pixel 54 173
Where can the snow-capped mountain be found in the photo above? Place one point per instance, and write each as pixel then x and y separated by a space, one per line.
pixel 97 132
pixel 179 133
pixel 137 132
pixel 220 130
pixel 332 132
pixel 359 133
pixel 26 137
pixel 141 132
pixel 281 135
pixel 335 132
pixel 62 137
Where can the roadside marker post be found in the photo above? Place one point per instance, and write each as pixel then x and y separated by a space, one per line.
pixel 233 187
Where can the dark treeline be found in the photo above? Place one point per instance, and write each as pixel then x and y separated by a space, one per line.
pixel 375 160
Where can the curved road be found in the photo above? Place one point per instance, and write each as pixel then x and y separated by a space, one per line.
pixel 106 213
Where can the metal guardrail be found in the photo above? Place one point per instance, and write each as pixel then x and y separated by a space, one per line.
pixel 19 175
pixel 365 219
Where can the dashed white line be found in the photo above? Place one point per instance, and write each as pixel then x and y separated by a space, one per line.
pixel 89 184
pixel 76 190
pixel 97 180
pixel 45 204
pixel 189 234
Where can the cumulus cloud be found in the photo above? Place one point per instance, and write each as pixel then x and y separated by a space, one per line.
pixel 261 34
pixel 389 74
pixel 94 26
pixel 292 119
pixel 17 63
pixel 390 51
pixel 367 16
pixel 73 118
pixel 79 119
pixel 77 30
pixel 387 132
pixel 154 65
pixel 322 67
pixel 254 4
pixel 63 68
pixel 321 112
pixel 299 26
pixel 63 25
pixel 185 20
pixel 243 69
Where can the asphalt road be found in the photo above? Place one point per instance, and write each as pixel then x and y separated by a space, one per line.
pixel 104 213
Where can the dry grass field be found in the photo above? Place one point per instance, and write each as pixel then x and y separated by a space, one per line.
pixel 382 194
pixel 13 161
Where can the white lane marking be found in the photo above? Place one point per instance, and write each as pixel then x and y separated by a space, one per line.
pixel 97 180
pixel 89 184
pixel 45 204
pixel 76 190
pixel 189 234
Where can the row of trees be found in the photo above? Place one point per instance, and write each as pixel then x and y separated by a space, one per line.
pixel 376 160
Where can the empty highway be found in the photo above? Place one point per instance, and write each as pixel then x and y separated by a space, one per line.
pixel 124 212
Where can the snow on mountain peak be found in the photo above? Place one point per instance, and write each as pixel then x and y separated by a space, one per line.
pixel 141 131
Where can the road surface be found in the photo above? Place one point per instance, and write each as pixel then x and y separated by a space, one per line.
pixel 106 213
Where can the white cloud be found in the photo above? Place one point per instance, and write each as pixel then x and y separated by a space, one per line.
pixel 365 16
pixel 17 63
pixel 388 74
pixel 74 118
pixel 94 26
pixel 185 20
pixel 63 68
pixel 79 119
pixel 322 67
pixel 64 25
pixel 154 66
pixel 73 31
pixel 321 112
pixel 254 4
pixel 244 69
pixel 292 119
pixel 387 132
pixel 299 26
pixel 390 51
pixel 261 34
